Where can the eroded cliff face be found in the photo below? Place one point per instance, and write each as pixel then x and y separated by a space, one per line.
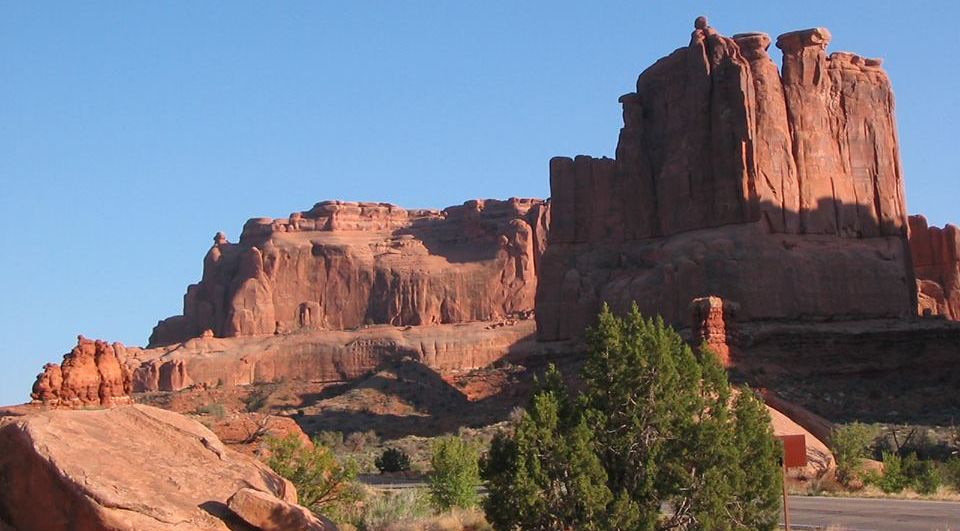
pixel 936 260
pixel 341 265
pixel 781 192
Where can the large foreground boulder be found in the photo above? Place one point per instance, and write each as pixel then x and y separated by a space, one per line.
pixel 128 468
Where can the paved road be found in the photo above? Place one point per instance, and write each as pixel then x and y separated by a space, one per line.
pixel 862 514
pixel 821 512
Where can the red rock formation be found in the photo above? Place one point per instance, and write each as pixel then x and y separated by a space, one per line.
pixel 712 323
pixel 936 261
pixel 324 355
pixel 779 192
pixel 91 375
pixel 131 468
pixel 341 265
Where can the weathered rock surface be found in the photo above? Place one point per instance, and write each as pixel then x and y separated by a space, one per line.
pixel 341 265
pixel 91 375
pixel 305 355
pixel 127 468
pixel 268 513
pixel 779 191
pixel 936 260
pixel 713 325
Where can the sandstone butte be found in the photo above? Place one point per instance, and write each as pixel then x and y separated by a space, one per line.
pixel 779 191
pixel 761 211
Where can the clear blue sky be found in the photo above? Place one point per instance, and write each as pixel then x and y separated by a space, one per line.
pixel 130 132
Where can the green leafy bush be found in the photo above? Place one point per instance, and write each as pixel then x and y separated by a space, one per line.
pixel 393 460
pixel 893 479
pixel 324 484
pixel 923 475
pixel 455 474
pixel 951 470
pixel 849 445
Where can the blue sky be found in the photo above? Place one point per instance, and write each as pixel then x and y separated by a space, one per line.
pixel 130 132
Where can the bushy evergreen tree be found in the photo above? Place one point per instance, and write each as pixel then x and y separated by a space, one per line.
pixel 546 476
pixel 658 422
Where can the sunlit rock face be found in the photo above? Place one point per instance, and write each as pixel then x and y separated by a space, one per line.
pixel 340 265
pixel 936 259
pixel 780 191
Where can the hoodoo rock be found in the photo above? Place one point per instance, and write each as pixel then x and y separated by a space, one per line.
pixel 92 374
pixel 936 260
pixel 133 468
pixel 340 265
pixel 779 190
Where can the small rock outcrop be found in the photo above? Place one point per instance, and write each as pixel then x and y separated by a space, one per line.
pixel 92 374
pixel 269 513
pixel 712 325
pixel 936 261
pixel 340 265
pixel 131 468
pixel 780 190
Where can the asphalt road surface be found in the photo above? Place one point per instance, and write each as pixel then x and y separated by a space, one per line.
pixel 863 514
pixel 820 512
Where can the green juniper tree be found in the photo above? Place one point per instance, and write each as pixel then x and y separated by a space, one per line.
pixel 676 449
pixel 546 476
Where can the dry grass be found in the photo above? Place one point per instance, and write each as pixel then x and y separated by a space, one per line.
pixel 456 520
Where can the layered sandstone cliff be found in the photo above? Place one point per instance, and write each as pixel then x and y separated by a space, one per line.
pixel 341 265
pixel 780 191
pixel 936 260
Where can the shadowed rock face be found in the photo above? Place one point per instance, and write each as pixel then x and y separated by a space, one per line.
pixel 341 265
pixel 777 191
pixel 936 260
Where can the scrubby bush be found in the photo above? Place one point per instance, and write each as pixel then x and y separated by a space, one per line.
pixel 951 470
pixel 358 441
pixel 325 485
pixel 923 475
pixel 388 508
pixel 215 410
pixel 393 460
pixel 331 439
pixel 850 445
pixel 455 474
pixel 893 479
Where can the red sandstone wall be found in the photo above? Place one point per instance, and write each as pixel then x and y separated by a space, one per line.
pixel 341 265
pixel 714 138
pixel 936 260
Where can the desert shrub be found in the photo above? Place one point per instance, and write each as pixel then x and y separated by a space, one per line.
pixel 455 474
pixel 216 410
pixel 388 508
pixel 850 445
pixel 393 460
pixel 951 472
pixel 360 440
pixel 923 475
pixel 330 439
pixel 656 427
pixel 325 485
pixel 893 479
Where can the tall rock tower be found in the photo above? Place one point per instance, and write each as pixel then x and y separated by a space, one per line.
pixel 781 191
